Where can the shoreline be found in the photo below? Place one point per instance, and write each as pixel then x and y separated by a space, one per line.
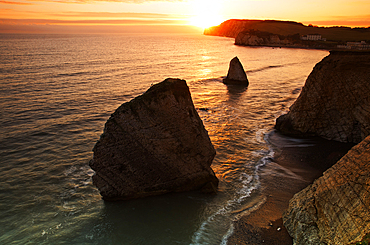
pixel 300 162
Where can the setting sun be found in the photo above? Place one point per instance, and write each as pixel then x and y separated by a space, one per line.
pixel 207 13
pixel 206 21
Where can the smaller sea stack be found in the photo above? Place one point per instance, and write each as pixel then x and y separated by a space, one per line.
pixel 236 74
pixel 154 144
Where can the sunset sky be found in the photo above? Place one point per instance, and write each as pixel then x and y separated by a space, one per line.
pixel 89 16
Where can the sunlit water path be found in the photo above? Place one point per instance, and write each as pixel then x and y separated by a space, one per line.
pixel 56 93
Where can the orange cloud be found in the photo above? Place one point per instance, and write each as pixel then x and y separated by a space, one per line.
pixel 115 15
pixel 26 2
pixel 15 3
pixel 97 17
pixel 93 28
pixel 88 22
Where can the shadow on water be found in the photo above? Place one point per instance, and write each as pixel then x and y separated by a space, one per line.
pixel 312 152
pixel 167 219
pixel 234 92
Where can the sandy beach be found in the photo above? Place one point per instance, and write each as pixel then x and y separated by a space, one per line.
pixel 300 162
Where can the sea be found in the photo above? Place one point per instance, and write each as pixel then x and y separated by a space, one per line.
pixel 57 92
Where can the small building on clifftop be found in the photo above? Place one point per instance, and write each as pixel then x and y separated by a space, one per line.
pixel 313 37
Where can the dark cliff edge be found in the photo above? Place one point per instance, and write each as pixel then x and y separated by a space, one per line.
pixel 334 104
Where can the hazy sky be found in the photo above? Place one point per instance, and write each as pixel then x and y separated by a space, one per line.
pixel 170 15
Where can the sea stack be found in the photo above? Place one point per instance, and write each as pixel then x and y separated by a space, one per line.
pixel 334 103
pixel 236 74
pixel 154 144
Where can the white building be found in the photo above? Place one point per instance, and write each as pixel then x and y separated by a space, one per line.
pixel 313 37
pixel 356 45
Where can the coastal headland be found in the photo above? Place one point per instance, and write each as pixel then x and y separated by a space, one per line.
pixel 276 33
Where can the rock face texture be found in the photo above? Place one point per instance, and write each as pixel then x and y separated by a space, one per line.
pixel 335 209
pixel 236 74
pixel 334 102
pixel 153 145
pixel 249 39
pixel 267 39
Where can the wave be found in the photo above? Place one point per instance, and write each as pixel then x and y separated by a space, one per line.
pixel 72 74
pixel 218 227
pixel 270 67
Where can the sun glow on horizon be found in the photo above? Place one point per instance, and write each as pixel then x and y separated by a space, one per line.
pixel 101 16
pixel 207 13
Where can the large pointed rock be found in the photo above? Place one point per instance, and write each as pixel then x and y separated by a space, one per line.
pixel 236 74
pixel 153 145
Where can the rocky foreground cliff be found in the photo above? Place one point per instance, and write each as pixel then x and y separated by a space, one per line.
pixel 335 209
pixel 154 144
pixel 335 100
pixel 334 104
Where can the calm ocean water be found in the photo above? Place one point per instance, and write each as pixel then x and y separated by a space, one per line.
pixel 56 93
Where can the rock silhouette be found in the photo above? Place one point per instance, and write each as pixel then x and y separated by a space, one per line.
pixel 236 74
pixel 154 144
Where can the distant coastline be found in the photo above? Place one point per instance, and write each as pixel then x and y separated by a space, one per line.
pixel 274 33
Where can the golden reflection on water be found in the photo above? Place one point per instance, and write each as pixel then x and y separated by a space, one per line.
pixel 60 90
pixel 204 72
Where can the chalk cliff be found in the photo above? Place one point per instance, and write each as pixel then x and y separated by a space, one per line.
pixel 334 102
pixel 335 209
pixel 256 38
pixel 153 145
